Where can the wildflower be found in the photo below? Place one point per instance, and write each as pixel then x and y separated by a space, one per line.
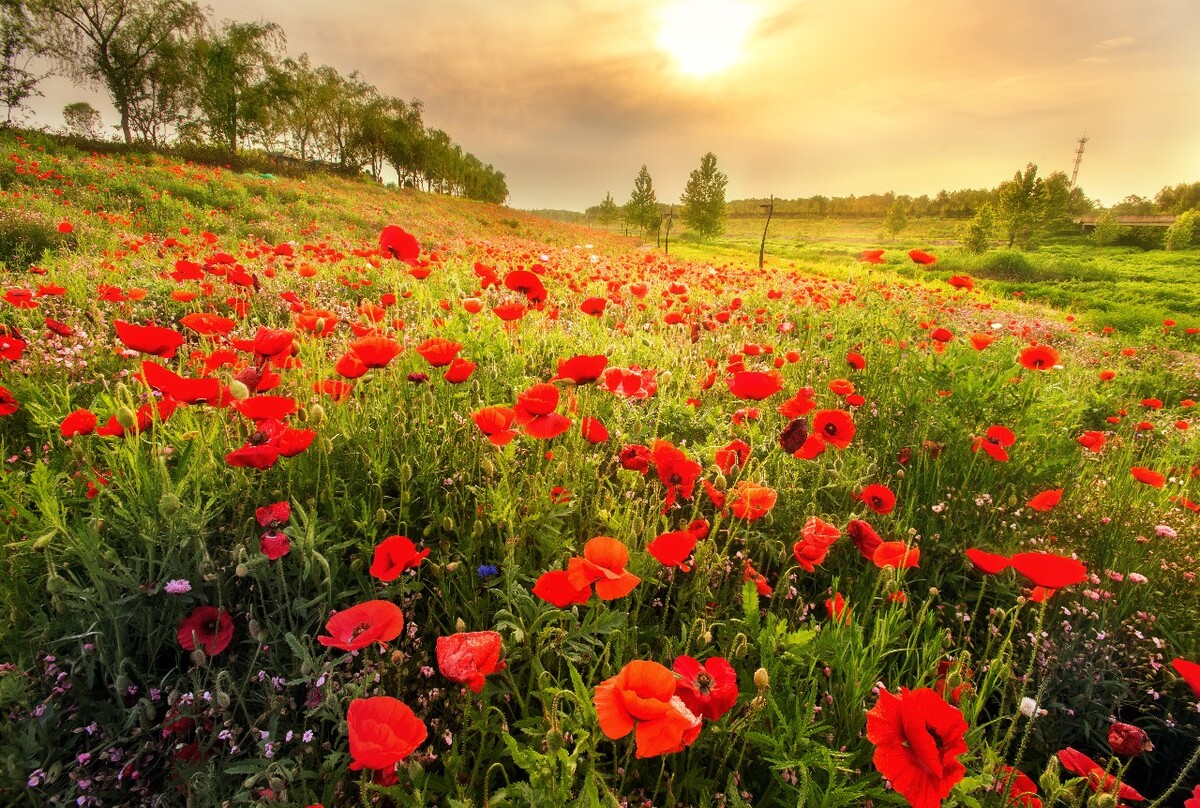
pixel 1190 671
pixel 995 442
pixel 921 257
pixel 1022 791
pixel 274 544
pixel 581 369
pixel 468 657
pixel 709 689
pixel 177 586
pixel 207 628
pixel 878 498
pixel 1148 476
pixel 362 624
pixel 1098 779
pixel 383 731
pixel 641 699
pixel 603 564
pixel 751 385
pixel 1127 740
pixel 751 501
pixel 1049 570
pixel 1046 500
pixel 1038 357
pixel 918 738
pixel 485 571
pixel 394 555
pixel 816 537
pixel 676 470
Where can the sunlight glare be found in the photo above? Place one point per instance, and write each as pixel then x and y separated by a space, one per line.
pixel 705 37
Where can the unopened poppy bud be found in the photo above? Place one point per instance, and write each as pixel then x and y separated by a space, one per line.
pixel 451 567
pixel 488 466
pixel 459 625
pixel 198 658
pixel 381 516
pixel 241 570
pixel 428 531
pixel 1102 800
pixel 406 472
pixel 476 529
pixel 762 680
pixel 900 474
pixel 720 483
pixel 1128 740
pixel 316 415
pixel 56 585
pixel 707 637
pixel 664 378
pixel 223 700
pixel 320 325
pixel 169 505
pixel 126 417
pixel 239 390
pixel 448 524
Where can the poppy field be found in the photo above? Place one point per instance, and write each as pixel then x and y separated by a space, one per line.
pixel 317 492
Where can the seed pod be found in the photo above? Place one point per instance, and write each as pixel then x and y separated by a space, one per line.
pixel 239 390
pixel 489 468
pixel 381 516
pixel 241 570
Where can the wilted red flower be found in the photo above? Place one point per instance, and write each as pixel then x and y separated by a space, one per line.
pixel 439 352
pixel 1127 740
pixel 896 554
pixel 150 339
pixel 794 436
pixel 753 385
pixel 395 243
pixel 1046 500
pixel 641 699
pixel 1038 357
pixel 709 689
pixel 751 501
pixel 207 628
pixel 362 624
pixel 383 731
pixel 1098 779
pixel 393 556
pixel 555 587
pixel 918 737
pixel 995 442
pixel 878 498
pixel 1148 476
pixel 581 369
pixel 603 563
pixel 835 427
pixel 468 657
pixel 921 257
pixel 816 537
pixel 1049 570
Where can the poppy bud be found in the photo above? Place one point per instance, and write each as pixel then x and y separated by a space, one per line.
pixel 239 390
pixel 488 466
pixel 241 571
pixel 1102 800
pixel 397 657
pixel 320 325
pixel 316 415
pixel 476 529
pixel 256 630
pixel 451 567
pixel 406 472
pixel 169 505
pixel 198 658
pixel 448 524
pixel 126 417
pixel 223 700
pixel 762 680
pixel 56 585
pixel 1128 740
pixel 459 625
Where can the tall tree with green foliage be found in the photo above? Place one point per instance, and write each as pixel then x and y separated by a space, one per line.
pixel 233 88
pixel 1027 206
pixel 17 84
pixel 1182 232
pixel 897 217
pixel 704 198
pixel 977 235
pixel 641 211
pixel 82 119
pixel 607 211
pixel 115 44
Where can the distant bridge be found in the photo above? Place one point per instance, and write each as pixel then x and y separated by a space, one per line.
pixel 1089 222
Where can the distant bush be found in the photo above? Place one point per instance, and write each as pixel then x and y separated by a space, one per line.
pixel 1006 265
pixel 1182 234
pixel 24 236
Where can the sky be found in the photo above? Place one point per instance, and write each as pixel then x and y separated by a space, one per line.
pixel 569 98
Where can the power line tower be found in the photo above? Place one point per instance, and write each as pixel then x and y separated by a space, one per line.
pixel 1078 159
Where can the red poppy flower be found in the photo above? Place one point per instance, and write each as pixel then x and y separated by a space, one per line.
pixel 942 335
pixel 676 471
pixel 871 257
pixel 394 242
pixel 1049 570
pixel 394 555
pixel 1127 740
pixel 816 537
pixel 272 342
pixel 734 453
pixel 459 371
pixel 581 369
pixel 709 689
pixel 896 554
pixel 1038 357
pixel 752 385
pixel 254 456
pixel 360 625
pixel 1098 779
pixel 918 738
pixel 631 382
pixel 603 563
pixel 1194 800
pixel 980 341
pixel 274 515
pixel 864 537
pixel 1046 500
pixel 1092 441
pixel 150 339
pixel 1190 671
pixel 878 498
pixel 527 283
pixel 593 430
pixel 207 628
pixel 469 657
pixel 264 408
pixel 494 422
pixel 751 501
pixel 834 427
pixel 1148 476
pixel 921 257
pixel 961 282
pixel 988 563
pixel 274 544
pixel 635 457
pixel 439 352
pixel 995 441
pixel 555 587
pixel 856 360
pixel 375 351
pixel 794 436
pixel 79 422
pixel 1022 791
pixel 760 581
pixel 800 404
pixel 641 699
pixel 837 609
pixel 672 549
pixel 383 731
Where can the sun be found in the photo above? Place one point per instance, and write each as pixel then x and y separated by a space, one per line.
pixel 705 37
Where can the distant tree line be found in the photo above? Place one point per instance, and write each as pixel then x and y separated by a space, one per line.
pixel 175 77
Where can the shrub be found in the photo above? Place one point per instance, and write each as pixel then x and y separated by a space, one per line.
pixel 1182 234
pixel 24 236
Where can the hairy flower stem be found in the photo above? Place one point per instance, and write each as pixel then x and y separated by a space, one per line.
pixel 1187 768
pixel 1037 633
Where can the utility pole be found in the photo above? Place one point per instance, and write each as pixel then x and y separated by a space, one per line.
pixel 670 218
pixel 762 247
pixel 1078 159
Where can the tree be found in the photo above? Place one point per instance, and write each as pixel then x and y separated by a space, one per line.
pixel 1180 198
pixel 114 43
pixel 641 211
pixel 704 198
pixel 1182 231
pixel 1027 206
pixel 82 119
pixel 608 212
pixel 16 49
pixel 977 236
pixel 1107 230
pixel 233 90
pixel 897 218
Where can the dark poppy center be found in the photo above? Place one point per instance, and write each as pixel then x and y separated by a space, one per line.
pixel 259 438
pixel 830 429
pixel 704 683
pixel 675 478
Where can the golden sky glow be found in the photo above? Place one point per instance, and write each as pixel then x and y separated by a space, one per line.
pixel 705 37
pixel 570 97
